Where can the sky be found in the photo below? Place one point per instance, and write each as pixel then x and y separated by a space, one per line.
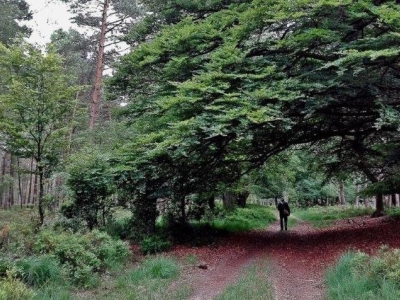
pixel 49 15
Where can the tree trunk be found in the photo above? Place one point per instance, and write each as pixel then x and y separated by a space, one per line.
pixel 11 187
pixel 242 199
pixel 229 200
pixel 357 200
pixel 95 104
pixel 41 193
pixel 30 182
pixel 342 199
pixel 379 208
pixel 211 202
pixel 144 209
pixel 20 190
pixel 393 198
pixel 35 183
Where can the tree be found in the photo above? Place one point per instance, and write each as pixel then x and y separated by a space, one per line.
pixel 13 12
pixel 91 182
pixel 228 91
pixel 106 18
pixel 36 105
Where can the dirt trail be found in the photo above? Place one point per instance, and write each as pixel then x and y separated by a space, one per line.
pixel 299 256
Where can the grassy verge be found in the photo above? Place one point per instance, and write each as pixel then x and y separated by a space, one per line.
pixel 358 276
pixel 244 219
pixel 324 216
pixel 151 279
pixel 252 285
pixel 394 212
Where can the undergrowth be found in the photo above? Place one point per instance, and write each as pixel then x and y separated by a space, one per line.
pixel 359 276
pixel 324 216
pixel 251 217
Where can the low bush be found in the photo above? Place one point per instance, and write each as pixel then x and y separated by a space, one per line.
pixel 119 228
pixel 82 256
pixel 243 219
pixel 37 271
pixel 154 244
pixel 152 280
pixel 360 276
pixel 324 216
pixel 11 288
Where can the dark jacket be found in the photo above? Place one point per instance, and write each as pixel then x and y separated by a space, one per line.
pixel 281 207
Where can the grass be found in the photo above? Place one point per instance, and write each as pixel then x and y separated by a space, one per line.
pixel 252 285
pixel 394 212
pixel 151 279
pixel 251 217
pixel 358 276
pixel 324 216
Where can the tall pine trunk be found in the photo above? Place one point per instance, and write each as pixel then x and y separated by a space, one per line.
pixel 96 95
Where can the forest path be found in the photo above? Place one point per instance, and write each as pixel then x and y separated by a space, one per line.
pixel 299 256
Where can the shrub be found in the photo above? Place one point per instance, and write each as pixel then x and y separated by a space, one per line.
pixel 36 271
pixel 91 183
pixel 12 288
pixel 160 267
pixel 360 276
pixel 6 264
pixel 119 227
pixel 154 244
pixel 82 256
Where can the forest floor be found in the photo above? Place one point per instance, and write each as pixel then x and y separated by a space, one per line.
pixel 298 257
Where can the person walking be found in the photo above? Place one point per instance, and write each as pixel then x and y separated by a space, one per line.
pixel 284 213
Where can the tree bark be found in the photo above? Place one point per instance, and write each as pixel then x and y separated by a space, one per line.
pixel 342 199
pixel 211 202
pixel 379 208
pixel 41 193
pixel 242 199
pixel 20 190
pixel 11 199
pixel 393 197
pixel 229 200
pixel 95 104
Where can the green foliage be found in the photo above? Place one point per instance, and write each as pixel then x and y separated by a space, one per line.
pixel 360 276
pixel 324 216
pixel 228 89
pixel 394 212
pixel 36 108
pixel 154 244
pixel 38 271
pixel 151 280
pixel 244 219
pixel 54 291
pixel 82 256
pixel 252 285
pixel 14 11
pixel 91 182
pixel 12 288
pixel 119 227
pixel 159 267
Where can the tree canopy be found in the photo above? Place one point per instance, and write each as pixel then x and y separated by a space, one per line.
pixel 13 12
pixel 226 91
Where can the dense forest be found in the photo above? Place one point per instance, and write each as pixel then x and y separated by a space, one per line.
pixel 176 112
pixel 210 100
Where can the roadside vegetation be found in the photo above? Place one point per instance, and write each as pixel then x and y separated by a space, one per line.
pixel 65 260
pixel 325 216
pixel 360 276
pixel 251 217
